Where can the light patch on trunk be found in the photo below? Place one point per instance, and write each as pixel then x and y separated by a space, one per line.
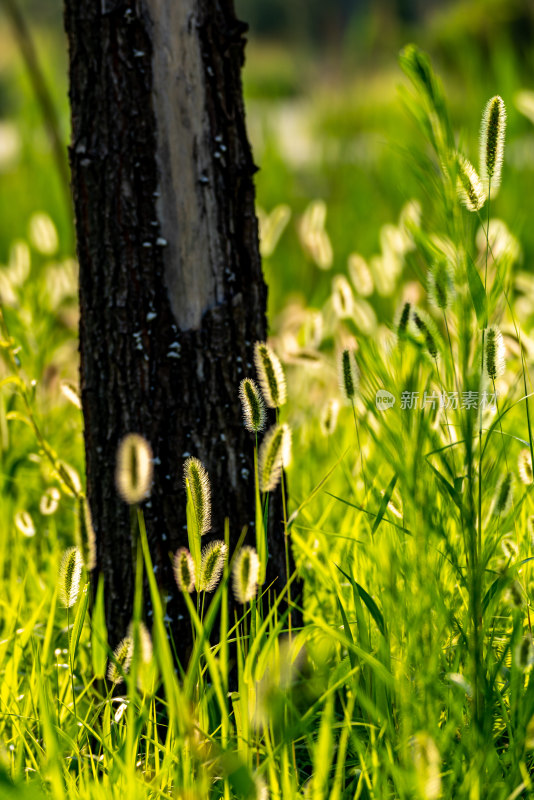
pixel 187 202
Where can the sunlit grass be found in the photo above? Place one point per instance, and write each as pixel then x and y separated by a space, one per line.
pixel 411 677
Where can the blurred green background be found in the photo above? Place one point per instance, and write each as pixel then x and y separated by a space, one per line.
pixel 324 116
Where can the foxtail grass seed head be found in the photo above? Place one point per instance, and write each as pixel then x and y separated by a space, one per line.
pixel 70 573
pixel 49 501
pixel 313 328
pixel 286 445
pixel 395 510
pixel 529 734
pixel 85 534
pixel 515 596
pixel 410 223
pixel 427 762
pixel 71 393
pixel 524 652
pixel 145 641
pixel 133 475
pixel 441 285
pixel 274 453
pixel 502 501
pixel 70 478
pixel 43 233
pixel 342 297
pixel 196 476
pixel 262 792
pixel 24 524
pixel 509 548
pixel 468 185
pixel 492 132
pixel 360 275
pixel 212 565
pixel 184 570
pixel 329 415
pixel 403 320
pixel 349 374
pixel 525 466
pixel 271 227
pixel 253 405
pixel 19 262
pixel 245 574
pixel 494 355
pixel 425 327
pixel 122 659
pixel 271 375
pixel 499 241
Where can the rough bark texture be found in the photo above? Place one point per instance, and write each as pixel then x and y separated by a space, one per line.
pixel 172 295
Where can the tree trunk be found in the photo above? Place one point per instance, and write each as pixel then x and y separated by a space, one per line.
pixel 172 296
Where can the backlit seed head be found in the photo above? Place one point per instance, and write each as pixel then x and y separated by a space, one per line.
pixel 286 445
pixel 410 223
pixel 342 297
pixel 262 792
pixel 424 326
pixel 122 659
pixel 499 240
pixel 184 570
pixel 524 653
pixel 133 475
pixel 212 565
pixel 85 534
pixel 313 236
pixel 312 329
pixel 24 523
pixel 71 393
pixel 253 405
pixel 492 132
pixel 441 289
pixel 525 466
pixel 329 415
pixel 271 226
pixel 70 573
pixel 395 510
pixel 245 574
pixel 468 185
pixel 427 763
pixel 360 275
pixel 494 354
pixel 43 233
pixel 70 478
pixel 349 374
pixel 145 641
pixel 271 375
pixel 502 501
pixel 275 452
pixel 196 477
pixel 49 501
pixel 19 262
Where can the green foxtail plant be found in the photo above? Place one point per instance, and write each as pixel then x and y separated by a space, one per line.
pixel 133 474
pixel 271 375
pixel 245 573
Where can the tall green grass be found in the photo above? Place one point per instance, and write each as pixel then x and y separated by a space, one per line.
pixel 411 676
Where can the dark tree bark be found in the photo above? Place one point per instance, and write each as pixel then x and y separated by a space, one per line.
pixel 172 295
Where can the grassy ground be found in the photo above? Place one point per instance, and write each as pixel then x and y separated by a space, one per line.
pixel 412 526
